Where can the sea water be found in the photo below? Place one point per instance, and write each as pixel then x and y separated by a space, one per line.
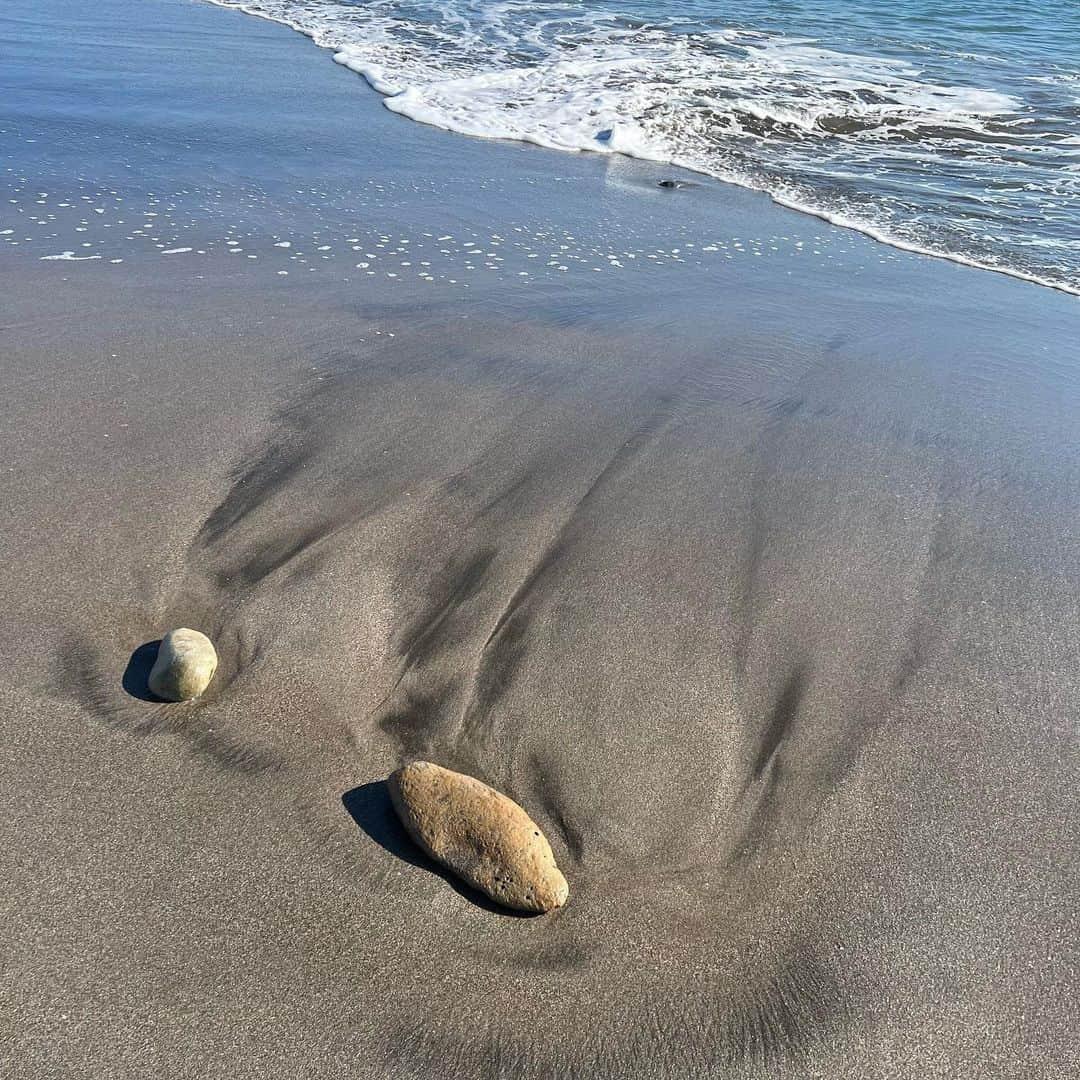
pixel 952 129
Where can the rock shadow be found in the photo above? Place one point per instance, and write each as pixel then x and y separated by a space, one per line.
pixel 370 807
pixel 136 677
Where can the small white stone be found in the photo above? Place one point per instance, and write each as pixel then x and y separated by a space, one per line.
pixel 185 664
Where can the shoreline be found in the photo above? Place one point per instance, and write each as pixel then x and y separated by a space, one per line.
pixel 745 572
pixel 378 84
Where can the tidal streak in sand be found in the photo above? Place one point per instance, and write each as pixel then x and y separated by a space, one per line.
pixel 951 135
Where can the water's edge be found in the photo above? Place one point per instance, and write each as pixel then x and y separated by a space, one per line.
pixel 392 100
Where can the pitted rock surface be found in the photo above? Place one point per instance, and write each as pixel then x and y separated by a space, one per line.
pixel 479 834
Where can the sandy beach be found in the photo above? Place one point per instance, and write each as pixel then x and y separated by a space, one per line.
pixel 739 549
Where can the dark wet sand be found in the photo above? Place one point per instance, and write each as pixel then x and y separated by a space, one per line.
pixel 758 590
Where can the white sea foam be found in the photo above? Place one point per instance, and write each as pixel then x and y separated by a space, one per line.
pixel 69 256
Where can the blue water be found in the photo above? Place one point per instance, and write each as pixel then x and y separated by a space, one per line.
pixel 951 129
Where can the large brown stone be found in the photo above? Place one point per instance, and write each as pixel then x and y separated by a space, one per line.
pixel 479 834
pixel 185 664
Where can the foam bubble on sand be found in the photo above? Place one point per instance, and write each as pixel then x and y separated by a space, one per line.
pixel 69 256
pixel 426 256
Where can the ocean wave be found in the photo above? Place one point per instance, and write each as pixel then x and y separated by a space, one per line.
pixel 896 147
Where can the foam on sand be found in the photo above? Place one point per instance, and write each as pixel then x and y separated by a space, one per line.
pixel 69 256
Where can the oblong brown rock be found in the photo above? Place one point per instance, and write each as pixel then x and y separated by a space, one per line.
pixel 481 835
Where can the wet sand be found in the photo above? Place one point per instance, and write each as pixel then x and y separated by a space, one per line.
pixel 753 578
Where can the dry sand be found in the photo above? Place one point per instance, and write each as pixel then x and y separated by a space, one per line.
pixel 761 598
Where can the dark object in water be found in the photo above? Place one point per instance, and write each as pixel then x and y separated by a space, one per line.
pixel 674 184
